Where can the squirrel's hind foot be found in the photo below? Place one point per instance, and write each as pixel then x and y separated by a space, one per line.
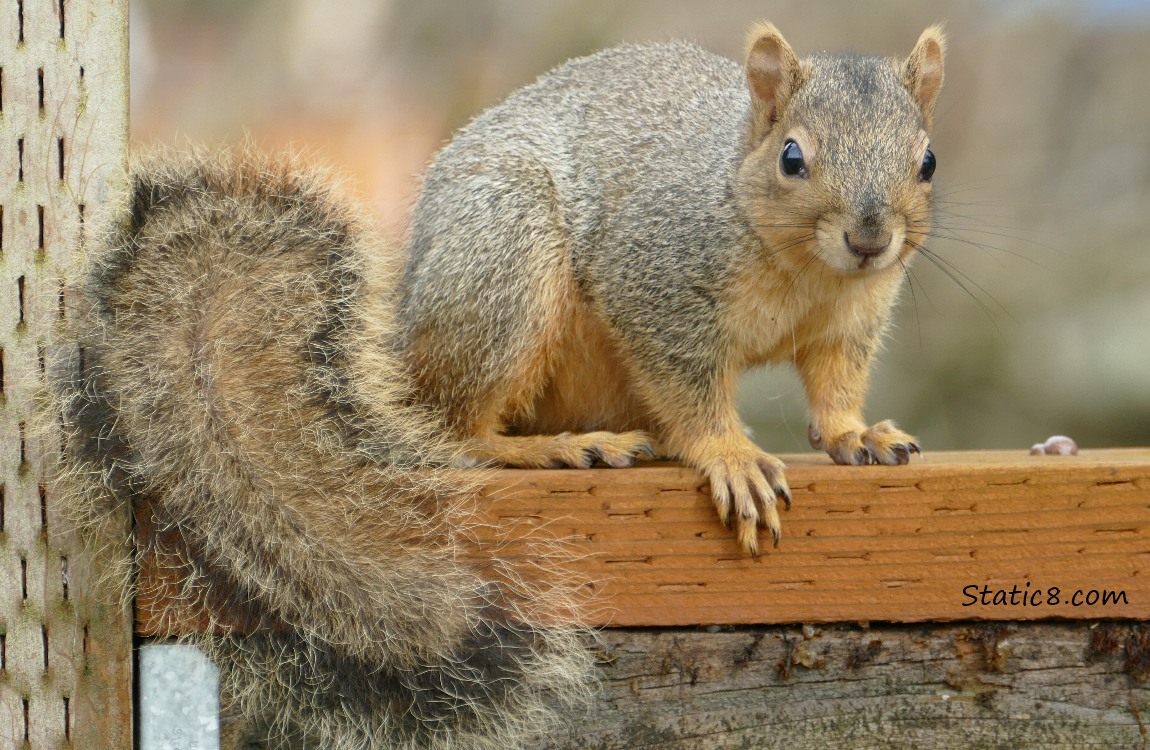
pixel 574 450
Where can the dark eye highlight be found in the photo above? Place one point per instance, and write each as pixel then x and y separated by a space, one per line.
pixel 791 162
pixel 928 164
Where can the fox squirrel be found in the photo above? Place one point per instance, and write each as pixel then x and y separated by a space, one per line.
pixel 602 254
pixel 606 250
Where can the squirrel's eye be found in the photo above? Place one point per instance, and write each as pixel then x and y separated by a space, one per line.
pixel 927 170
pixel 791 162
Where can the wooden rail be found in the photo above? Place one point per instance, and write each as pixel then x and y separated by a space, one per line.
pixel 954 536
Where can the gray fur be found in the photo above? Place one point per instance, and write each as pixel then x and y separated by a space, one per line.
pixel 620 167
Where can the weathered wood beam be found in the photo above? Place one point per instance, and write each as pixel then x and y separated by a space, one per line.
pixel 982 686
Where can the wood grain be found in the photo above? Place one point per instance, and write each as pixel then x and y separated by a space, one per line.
pixel 973 686
pixel 871 543
pixel 896 544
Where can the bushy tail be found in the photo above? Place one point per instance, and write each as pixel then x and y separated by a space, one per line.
pixel 238 379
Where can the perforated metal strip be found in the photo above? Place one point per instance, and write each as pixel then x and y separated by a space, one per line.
pixel 65 652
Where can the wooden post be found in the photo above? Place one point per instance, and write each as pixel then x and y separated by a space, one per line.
pixel 65 642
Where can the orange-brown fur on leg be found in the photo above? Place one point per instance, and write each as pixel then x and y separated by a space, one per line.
pixel 834 367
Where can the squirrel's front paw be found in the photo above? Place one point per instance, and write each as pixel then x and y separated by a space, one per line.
pixel 883 443
pixel 747 484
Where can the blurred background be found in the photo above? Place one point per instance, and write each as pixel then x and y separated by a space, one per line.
pixel 1036 321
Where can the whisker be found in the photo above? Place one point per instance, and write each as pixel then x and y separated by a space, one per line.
pixel 979 226
pixel 914 300
pixel 1004 235
pixel 788 245
pixel 988 204
pixel 958 277
pixel 967 185
pixel 980 218
pixel 947 198
pixel 811 257
pixel 944 233
pixel 806 225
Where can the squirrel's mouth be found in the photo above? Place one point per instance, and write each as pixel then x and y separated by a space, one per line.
pixel 851 250
pixel 873 263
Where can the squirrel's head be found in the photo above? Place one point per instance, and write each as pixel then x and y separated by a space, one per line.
pixel 838 161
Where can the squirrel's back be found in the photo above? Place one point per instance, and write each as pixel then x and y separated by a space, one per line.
pixel 613 128
pixel 238 377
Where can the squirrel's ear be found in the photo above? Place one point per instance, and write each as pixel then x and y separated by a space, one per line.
pixel 772 75
pixel 922 71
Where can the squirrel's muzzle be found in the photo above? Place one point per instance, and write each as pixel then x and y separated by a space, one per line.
pixel 867 242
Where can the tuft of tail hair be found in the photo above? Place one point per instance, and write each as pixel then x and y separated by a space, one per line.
pixel 239 379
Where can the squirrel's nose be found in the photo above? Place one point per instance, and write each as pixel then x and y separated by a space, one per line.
pixel 867 242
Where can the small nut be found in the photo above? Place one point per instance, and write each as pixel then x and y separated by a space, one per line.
pixel 1055 445
pixel 1060 445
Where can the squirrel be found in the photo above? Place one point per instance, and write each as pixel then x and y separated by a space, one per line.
pixel 593 262
pixel 590 265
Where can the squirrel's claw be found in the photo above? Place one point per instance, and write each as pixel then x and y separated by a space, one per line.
pixel 884 443
pixel 847 449
pixel 746 493
pixel 889 445
pixel 614 460
pixel 784 494
pixel 721 496
pixel 903 451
